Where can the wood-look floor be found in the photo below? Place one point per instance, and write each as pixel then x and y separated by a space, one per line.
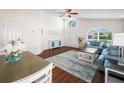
pixel 60 76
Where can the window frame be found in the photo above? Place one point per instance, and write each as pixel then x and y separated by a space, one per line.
pixel 98 34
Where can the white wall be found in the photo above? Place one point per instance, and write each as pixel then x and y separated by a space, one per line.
pixel 52 28
pixel 111 24
pixel 36 27
pixel 83 25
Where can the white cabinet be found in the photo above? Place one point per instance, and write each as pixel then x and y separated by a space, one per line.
pixel 54 44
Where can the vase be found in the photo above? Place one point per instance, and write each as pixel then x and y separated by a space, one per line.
pixel 13 58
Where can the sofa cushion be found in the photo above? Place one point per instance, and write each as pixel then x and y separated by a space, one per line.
pixel 100 60
pixel 95 43
pixel 105 52
pixel 88 43
pixel 102 44
pixel 113 52
pixel 98 43
pixel 107 63
pixel 92 43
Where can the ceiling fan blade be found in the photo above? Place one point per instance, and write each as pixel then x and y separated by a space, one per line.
pixel 69 15
pixel 74 13
pixel 61 15
pixel 69 10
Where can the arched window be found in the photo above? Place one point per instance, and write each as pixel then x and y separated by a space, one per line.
pixel 99 34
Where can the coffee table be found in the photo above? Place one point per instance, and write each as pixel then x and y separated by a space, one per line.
pixel 88 54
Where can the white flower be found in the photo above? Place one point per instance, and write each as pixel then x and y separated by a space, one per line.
pixel 8 48
pixel 18 46
pixel 15 48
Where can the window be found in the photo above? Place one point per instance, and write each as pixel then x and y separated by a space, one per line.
pixel 99 34
pixel 92 35
pixel 72 23
pixel 105 36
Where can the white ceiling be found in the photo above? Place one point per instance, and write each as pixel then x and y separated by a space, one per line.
pixel 92 13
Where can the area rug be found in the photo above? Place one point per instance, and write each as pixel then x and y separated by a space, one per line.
pixel 68 61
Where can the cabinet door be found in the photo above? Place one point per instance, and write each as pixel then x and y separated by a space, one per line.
pixel 53 44
pixel 57 43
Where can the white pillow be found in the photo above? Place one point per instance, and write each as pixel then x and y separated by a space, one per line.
pixel 88 43
pixel 101 44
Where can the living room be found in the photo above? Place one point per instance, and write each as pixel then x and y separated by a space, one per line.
pixel 81 42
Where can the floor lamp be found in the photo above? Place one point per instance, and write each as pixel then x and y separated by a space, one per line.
pixel 118 40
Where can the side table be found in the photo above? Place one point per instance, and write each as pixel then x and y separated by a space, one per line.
pixel 118 70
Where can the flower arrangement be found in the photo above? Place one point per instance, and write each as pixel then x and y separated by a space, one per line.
pixel 13 50
pixel 80 40
pixel 14 47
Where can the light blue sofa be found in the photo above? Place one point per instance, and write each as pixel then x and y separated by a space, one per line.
pixel 102 61
pixel 96 44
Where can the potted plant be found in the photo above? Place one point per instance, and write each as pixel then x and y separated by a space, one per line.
pixel 80 41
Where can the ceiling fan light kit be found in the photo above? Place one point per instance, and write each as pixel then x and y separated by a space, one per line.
pixel 68 13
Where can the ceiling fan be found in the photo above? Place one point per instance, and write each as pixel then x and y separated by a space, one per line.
pixel 68 13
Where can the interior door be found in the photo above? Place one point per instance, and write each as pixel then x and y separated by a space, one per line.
pixel 11 31
pixel 71 38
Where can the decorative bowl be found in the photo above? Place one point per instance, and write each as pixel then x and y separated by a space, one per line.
pixel 11 58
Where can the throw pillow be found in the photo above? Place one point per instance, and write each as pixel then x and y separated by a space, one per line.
pixel 105 52
pixel 88 43
pixel 102 44
pixel 100 60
